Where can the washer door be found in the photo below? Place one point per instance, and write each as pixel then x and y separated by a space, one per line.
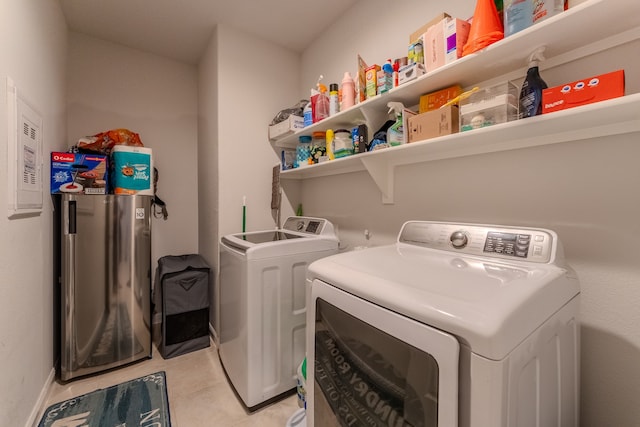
pixel 375 367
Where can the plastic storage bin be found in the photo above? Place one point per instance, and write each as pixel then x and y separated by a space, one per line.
pixel 489 106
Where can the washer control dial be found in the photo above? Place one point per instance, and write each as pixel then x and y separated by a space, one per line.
pixel 458 239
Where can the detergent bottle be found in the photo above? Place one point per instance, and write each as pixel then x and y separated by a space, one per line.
pixel 329 138
pixel 348 92
pixel 307 114
pixel 395 134
pixel 530 101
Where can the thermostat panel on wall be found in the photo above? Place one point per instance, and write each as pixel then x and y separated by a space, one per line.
pixel 24 160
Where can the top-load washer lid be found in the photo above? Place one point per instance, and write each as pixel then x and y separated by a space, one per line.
pixel 267 236
pixel 298 235
pixel 464 279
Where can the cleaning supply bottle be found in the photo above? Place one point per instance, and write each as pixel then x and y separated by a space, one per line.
pixel 334 106
pixel 313 100
pixel 395 134
pixel 322 103
pixel 387 84
pixel 307 114
pixel 348 92
pixel 329 138
pixel 530 102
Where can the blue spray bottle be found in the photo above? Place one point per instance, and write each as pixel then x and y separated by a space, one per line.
pixel 530 102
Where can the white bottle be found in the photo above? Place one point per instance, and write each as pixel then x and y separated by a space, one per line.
pixel 307 114
pixel 348 92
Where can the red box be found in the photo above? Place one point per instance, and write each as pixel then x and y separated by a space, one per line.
pixel 582 92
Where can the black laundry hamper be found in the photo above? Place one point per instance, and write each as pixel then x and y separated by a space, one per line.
pixel 182 286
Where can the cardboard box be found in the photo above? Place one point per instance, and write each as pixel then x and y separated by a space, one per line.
pixel 371 80
pixel 434 47
pixel 440 122
pixel 285 127
pixel 443 42
pixel 582 92
pixel 456 33
pixel 79 173
pixel 361 87
pixel 360 137
pixel 410 72
pixel 415 36
pixel 415 52
pixel 434 100
pixel 521 14
pixel 384 82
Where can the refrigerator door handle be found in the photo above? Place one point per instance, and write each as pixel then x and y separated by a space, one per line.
pixel 72 217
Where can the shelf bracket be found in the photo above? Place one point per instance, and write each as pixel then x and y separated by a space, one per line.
pixel 382 172
pixel 374 118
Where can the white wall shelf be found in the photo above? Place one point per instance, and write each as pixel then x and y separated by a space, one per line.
pixel 588 28
pixel 613 117
pixel 564 35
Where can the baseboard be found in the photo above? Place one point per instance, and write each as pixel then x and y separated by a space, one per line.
pixel 39 407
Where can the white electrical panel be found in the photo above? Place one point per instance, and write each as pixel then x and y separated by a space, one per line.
pixel 24 160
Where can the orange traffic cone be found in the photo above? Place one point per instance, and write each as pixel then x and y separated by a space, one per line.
pixel 486 27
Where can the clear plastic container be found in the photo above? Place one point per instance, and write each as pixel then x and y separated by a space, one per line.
pixel 489 106
pixel 342 143
pixel 318 146
pixel 303 152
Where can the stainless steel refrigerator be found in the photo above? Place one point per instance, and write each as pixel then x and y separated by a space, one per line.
pixel 105 277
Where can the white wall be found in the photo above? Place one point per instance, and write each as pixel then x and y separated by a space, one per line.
pixel 244 82
pixel 373 29
pixel 111 86
pixel 33 44
pixel 585 190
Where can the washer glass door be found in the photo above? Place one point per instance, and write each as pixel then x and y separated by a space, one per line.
pixel 374 367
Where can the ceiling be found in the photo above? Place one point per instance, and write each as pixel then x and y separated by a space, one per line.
pixel 181 29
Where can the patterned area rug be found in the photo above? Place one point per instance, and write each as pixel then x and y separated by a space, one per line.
pixel 139 402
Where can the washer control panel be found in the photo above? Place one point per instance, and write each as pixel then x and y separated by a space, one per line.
pixel 316 226
pixel 526 244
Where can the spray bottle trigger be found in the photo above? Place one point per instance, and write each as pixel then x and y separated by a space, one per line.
pixel 537 55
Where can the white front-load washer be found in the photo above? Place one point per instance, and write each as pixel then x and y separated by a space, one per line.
pixel 453 325
pixel 262 304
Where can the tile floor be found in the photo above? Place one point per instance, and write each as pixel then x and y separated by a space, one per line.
pixel 199 392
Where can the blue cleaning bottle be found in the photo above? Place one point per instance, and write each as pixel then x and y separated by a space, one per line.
pixel 530 101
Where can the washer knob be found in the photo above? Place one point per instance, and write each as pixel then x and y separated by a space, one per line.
pixel 459 239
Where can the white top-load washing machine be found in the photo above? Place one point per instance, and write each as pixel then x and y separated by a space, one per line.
pixel 262 304
pixel 453 325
